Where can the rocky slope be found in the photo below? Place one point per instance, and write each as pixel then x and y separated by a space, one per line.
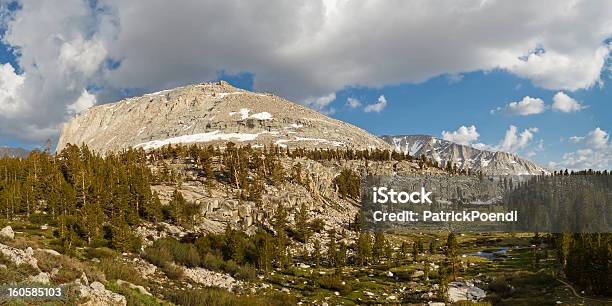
pixel 489 162
pixel 13 152
pixel 320 196
pixel 206 113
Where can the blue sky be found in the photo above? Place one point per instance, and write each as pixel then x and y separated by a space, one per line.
pixel 445 103
pixel 531 79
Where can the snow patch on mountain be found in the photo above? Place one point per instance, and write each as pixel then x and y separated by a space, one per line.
pixel 198 138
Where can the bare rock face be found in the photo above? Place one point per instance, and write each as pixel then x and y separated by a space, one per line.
pixel 18 256
pixel 97 295
pixel 208 113
pixel 489 162
pixel 211 278
pixel 7 232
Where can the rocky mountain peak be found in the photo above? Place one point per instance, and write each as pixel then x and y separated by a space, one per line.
pixel 463 156
pixel 13 152
pixel 209 113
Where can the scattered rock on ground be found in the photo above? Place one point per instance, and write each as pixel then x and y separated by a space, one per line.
pixel 42 278
pixel 461 291
pixel 18 256
pixel 141 289
pixel 97 295
pixel 52 252
pixel 210 278
pixel 7 232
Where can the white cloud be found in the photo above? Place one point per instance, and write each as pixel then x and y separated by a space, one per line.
pixel 454 78
pixel 584 159
pixel 61 50
pixel 353 102
pixel 296 49
pixel 81 56
pixel 566 104
pixel 576 139
pixel 10 85
pixel 85 101
pixel 527 106
pixel 595 153
pixel 321 102
pixel 555 70
pixel 514 141
pixel 376 107
pixel 597 138
pixel 463 135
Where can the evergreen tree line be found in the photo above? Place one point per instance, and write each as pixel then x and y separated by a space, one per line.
pixel 200 153
pixel 586 259
pixel 91 200
pixel 563 203
pixel 576 202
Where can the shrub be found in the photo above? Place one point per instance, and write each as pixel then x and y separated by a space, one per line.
pixel 186 254
pixel 66 274
pixel 101 252
pixel 157 255
pixel 334 282
pixel 172 271
pixel 115 269
pixel 133 296
pixel 501 287
pixel 230 267
pixel 221 297
pixel 317 225
pixel 247 273
pixel 212 262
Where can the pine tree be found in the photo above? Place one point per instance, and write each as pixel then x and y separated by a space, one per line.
pixel 301 222
pixel 317 252
pixel 234 245
pixel 264 250
pixel 122 237
pixel 358 221
pixel 340 259
pixel 379 245
pixel 363 249
pixel 332 248
pixel 451 254
pixel 281 240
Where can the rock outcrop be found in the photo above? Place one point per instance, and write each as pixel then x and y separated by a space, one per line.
pixel 442 151
pixel 210 278
pixel 97 295
pixel 18 256
pixel 464 291
pixel 209 113
pixel 7 232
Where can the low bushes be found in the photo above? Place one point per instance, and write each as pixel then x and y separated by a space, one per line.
pixel 115 269
pixel 221 297
pixel 165 252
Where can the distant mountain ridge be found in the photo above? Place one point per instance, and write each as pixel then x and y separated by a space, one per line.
pixel 463 156
pixel 210 113
pixel 13 152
